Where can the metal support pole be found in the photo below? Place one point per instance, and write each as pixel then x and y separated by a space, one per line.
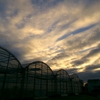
pixel 2 91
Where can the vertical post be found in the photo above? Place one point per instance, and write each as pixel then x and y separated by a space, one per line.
pixel 16 83
pixel 71 86
pixel 60 83
pixel 66 88
pixel 34 87
pixel 2 90
pixel 22 83
pixel 34 82
pixel 27 82
pixel 47 83
pixel 55 84
pixel 78 87
pixel 41 82
pixel 5 75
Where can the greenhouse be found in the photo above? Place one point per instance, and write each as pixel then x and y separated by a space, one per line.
pixel 10 75
pixel 76 84
pixel 34 80
pixel 39 80
pixel 62 79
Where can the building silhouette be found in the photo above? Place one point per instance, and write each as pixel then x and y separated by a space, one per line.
pixel 37 79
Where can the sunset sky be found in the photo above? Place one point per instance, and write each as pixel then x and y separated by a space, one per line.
pixel 65 34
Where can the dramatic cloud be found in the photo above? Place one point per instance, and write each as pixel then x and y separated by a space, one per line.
pixel 62 33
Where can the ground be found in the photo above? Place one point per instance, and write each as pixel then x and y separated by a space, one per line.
pixel 77 97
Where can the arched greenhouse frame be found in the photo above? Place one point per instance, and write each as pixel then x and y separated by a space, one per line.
pixel 76 85
pixel 10 75
pixel 39 80
pixel 35 80
pixel 62 81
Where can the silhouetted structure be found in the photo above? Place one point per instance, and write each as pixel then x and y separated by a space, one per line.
pixel 38 80
pixel 62 82
pixel 35 80
pixel 10 75
pixel 93 86
pixel 76 84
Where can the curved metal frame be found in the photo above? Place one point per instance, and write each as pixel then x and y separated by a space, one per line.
pixel 76 84
pixel 11 54
pixel 10 74
pixel 62 78
pixel 41 77
pixel 35 80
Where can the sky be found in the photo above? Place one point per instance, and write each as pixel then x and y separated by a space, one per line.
pixel 65 34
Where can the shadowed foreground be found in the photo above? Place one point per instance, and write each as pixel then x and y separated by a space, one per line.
pixel 78 97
